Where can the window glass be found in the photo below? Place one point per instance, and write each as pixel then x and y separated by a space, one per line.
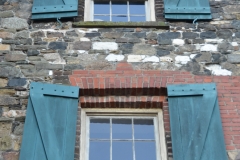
pixel 99 150
pixel 101 8
pixel 143 129
pixel 122 151
pixel 137 8
pixel 99 128
pixel 119 7
pixel 101 18
pixel 122 128
pixel 145 150
pixel 137 18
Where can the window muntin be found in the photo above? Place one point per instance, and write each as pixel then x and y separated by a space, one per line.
pixel 119 11
pixel 124 138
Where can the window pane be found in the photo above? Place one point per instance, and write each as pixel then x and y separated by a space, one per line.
pixel 143 129
pixel 101 8
pixel 137 18
pixel 122 151
pixel 119 19
pixel 145 151
pixel 100 128
pixel 119 7
pixel 122 129
pixel 101 18
pixel 137 8
pixel 99 150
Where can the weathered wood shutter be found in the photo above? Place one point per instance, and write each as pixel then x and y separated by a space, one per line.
pixel 187 9
pixel 195 122
pixel 50 126
pixel 43 9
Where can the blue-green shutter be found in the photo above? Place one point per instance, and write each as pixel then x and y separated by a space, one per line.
pixel 187 9
pixel 50 125
pixel 195 122
pixel 43 9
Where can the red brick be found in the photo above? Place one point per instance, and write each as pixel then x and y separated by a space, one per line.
pixel 230 147
pixel 80 72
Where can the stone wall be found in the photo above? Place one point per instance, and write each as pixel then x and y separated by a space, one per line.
pixel 39 51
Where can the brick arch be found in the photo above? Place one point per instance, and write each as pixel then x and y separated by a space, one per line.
pixel 120 88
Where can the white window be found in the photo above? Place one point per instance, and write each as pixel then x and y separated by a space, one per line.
pixel 119 11
pixel 122 134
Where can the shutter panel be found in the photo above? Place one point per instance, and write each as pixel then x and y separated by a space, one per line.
pixel 195 121
pixel 50 126
pixel 54 8
pixel 187 9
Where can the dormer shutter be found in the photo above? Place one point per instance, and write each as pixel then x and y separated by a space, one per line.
pixel 187 9
pixel 43 9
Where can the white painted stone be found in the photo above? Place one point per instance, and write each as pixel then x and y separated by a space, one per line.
pixel 234 44
pixel 84 39
pixel 135 58
pixel 220 22
pixel 218 71
pixel 192 56
pixel 114 57
pixel 105 46
pixel 182 59
pixel 50 73
pixel 166 59
pixel 0 40
pixel 214 41
pixel 178 42
pixel 81 31
pixel 82 51
pixel 93 30
pixel 209 47
pixel 151 59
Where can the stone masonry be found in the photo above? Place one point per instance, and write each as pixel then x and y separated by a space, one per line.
pixel 40 51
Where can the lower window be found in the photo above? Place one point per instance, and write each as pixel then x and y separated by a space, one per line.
pixel 124 135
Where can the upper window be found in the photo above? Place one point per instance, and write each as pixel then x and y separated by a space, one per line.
pixel 128 136
pixel 119 11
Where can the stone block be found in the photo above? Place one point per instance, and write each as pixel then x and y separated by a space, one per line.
pixel 7 100
pixel 10 92
pixel 14 82
pixel 14 114
pixel 11 155
pixel 33 52
pixel 165 38
pixel 209 47
pixel 208 35
pixel 6 35
pixel 162 52
pixel 8 72
pixel 3 82
pixel 5 47
pixel 5 127
pixel 16 143
pixel 182 59
pixel 22 34
pixel 5 143
pixel 152 35
pixel 58 45
pixel 15 57
pixel 190 35
pixel 14 23
pixel 135 58
pixel 91 35
pixel 82 45
pixel 6 14
pixel 37 34
pixel 105 46
pixel 178 42
pixel 112 35
pixel 233 58
pixel 72 33
pixel 144 49
pixel 224 34
pixel 218 71
pixel 54 34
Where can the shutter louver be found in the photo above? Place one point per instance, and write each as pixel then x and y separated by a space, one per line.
pixel 195 121
pixel 43 9
pixel 50 125
pixel 187 9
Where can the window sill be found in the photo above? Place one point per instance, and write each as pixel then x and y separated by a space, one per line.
pixel 100 24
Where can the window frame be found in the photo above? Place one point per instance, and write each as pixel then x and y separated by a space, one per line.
pixel 153 113
pixel 149 8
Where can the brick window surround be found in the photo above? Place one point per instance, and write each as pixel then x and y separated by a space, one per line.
pixel 129 88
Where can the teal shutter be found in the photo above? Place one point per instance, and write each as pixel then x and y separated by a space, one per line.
pixel 187 9
pixel 195 122
pixel 43 9
pixel 50 126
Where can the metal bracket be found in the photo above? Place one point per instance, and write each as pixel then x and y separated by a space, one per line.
pixel 60 23
pixel 195 21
